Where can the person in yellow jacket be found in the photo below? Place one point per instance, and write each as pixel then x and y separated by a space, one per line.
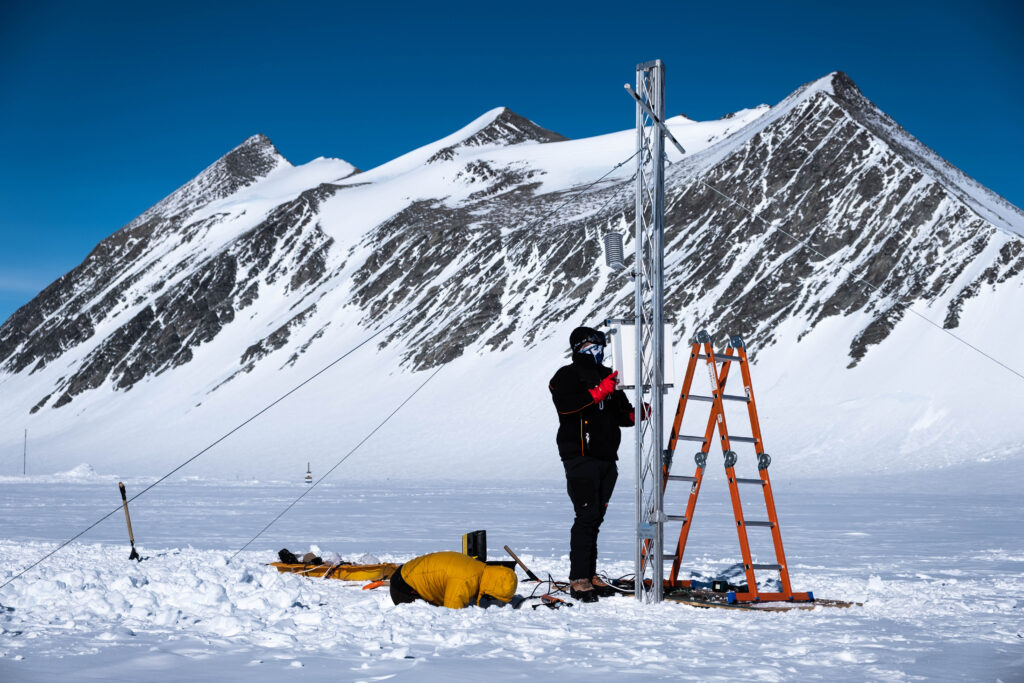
pixel 450 579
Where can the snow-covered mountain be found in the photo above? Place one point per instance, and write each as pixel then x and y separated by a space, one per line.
pixel 257 273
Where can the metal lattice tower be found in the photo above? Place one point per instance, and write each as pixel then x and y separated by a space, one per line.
pixel 650 342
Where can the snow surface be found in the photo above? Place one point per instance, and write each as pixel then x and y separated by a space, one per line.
pixel 937 562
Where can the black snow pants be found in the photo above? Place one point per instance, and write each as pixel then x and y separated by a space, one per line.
pixel 401 591
pixel 590 483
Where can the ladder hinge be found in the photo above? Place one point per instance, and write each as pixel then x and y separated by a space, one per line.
pixel 730 459
pixel 763 460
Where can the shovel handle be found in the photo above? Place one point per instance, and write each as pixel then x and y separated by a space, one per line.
pixel 127 517
pixel 529 574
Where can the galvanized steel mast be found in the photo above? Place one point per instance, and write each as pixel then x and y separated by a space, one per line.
pixel 649 304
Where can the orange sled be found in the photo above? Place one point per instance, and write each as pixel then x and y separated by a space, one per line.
pixel 345 572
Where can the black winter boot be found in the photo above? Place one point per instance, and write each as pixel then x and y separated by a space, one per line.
pixel 602 589
pixel 582 590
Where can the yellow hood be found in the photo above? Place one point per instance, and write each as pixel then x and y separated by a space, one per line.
pixel 498 582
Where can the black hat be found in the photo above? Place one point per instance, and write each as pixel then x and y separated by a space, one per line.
pixel 585 335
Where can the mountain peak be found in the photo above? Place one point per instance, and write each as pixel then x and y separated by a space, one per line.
pixel 250 161
pixel 982 200
pixel 509 128
pixel 843 85
pixel 254 158
pixel 834 83
pixel 499 126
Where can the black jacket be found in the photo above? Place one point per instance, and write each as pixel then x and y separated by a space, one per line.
pixel 585 427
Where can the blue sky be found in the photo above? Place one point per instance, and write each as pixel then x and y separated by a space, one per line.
pixel 106 107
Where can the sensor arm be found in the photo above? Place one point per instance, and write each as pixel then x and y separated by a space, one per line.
pixel 654 117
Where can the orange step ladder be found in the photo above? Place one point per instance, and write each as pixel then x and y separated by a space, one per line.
pixel 718 368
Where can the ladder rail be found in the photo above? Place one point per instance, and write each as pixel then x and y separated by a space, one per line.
pixel 684 530
pixel 673 440
pixel 769 497
pixel 684 395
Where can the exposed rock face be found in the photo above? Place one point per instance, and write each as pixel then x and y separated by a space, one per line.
pixel 508 128
pixel 885 229
pixel 46 328
pixel 502 258
pixel 191 298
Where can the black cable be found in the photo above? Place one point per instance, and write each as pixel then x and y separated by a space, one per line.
pixel 572 197
pixel 338 464
pixel 204 450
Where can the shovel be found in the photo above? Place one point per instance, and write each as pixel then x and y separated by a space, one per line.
pixel 529 574
pixel 127 518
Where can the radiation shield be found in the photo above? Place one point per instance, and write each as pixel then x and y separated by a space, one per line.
pixel 622 343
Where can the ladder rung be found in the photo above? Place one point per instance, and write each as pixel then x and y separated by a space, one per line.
pixel 691 438
pixel 676 518
pixel 711 399
pixel 720 359
pixel 742 439
pixel 747 481
pixel 749 523
pixel 680 477
pixel 766 566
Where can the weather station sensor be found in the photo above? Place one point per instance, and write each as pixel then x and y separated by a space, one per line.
pixel 613 257
pixel 622 346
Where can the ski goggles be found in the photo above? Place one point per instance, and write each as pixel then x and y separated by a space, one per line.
pixel 594 337
pixel 595 350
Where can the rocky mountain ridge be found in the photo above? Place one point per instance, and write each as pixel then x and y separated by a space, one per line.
pixel 487 243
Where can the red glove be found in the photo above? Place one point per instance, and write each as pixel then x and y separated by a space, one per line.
pixel 605 388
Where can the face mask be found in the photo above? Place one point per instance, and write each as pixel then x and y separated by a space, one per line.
pixel 596 351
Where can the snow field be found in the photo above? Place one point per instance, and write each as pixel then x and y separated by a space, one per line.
pixel 940 576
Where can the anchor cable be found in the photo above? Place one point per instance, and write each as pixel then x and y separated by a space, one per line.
pixel 572 197
pixel 204 450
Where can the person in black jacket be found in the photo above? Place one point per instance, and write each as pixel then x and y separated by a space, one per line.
pixel 590 413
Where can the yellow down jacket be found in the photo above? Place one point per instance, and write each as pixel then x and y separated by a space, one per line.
pixel 455 580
